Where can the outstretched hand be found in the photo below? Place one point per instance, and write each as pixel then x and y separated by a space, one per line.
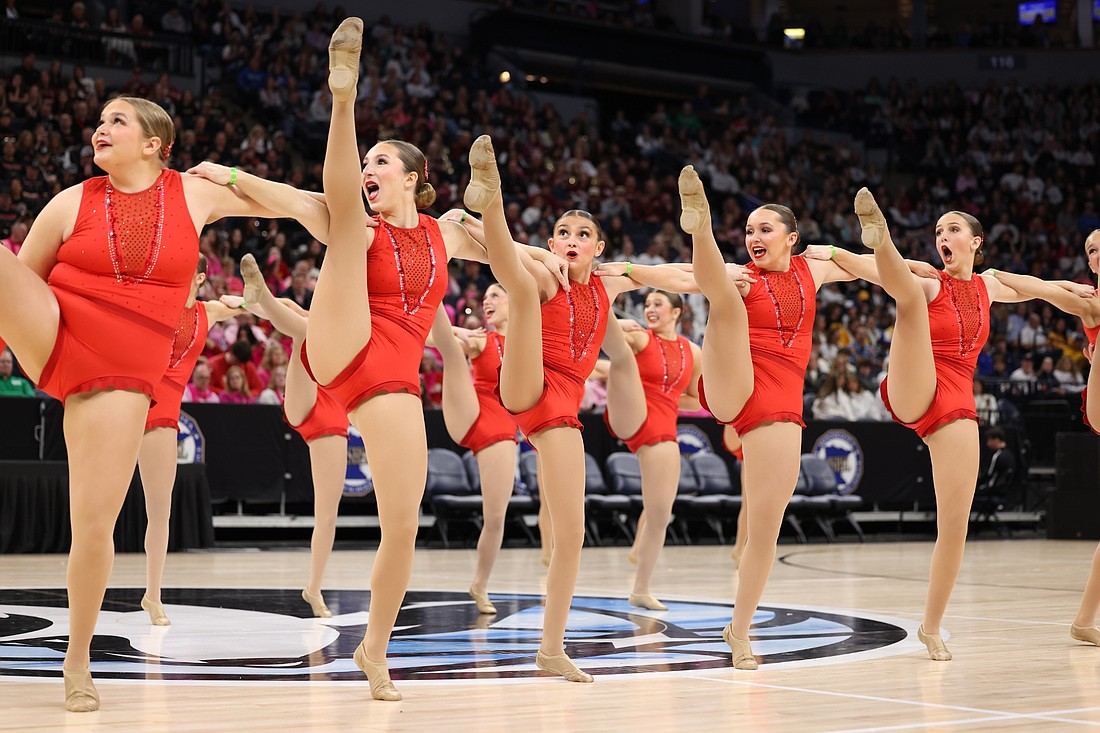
pixel 611 269
pixel 922 269
pixel 819 252
pixel 232 301
pixel 213 172
pixel 465 334
pixel 1081 290
pixel 559 266
pixel 741 278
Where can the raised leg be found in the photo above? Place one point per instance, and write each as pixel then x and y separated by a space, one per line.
pixel 626 405
pixel 726 356
pixel 912 370
pixel 301 391
pixel 339 322
pixel 460 405
pixel 157 466
pixel 22 291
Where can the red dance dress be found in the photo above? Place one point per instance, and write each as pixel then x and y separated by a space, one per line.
pixel 781 307
pixel 494 424
pixel 573 326
pixel 407 276
pixel 1090 333
pixel 327 417
pixel 186 348
pixel 121 281
pixel 958 320
pixel 665 368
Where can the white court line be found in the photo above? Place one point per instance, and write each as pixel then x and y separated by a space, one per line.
pixel 874 698
pixel 926 724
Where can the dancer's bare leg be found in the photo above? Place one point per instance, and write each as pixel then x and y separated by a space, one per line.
pixel 626 405
pixel 21 292
pixel 101 465
pixel 496 464
pixel 954 450
pixel 546 526
pixel 1084 625
pixel 521 373
pixel 460 405
pixel 328 460
pixel 561 457
pixel 660 480
pixel 772 453
pixel 726 344
pixel 157 466
pixel 912 370
pixel 632 556
pixel 339 323
pixel 742 537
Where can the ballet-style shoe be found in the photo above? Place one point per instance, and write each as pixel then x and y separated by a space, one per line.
pixel 562 665
pixel 937 651
pixel 156 612
pixel 645 600
pixel 484 605
pixel 317 603
pixel 695 211
pixel 343 59
pixel 254 284
pixel 378 674
pixel 484 177
pixel 1090 634
pixel 742 650
pixel 871 219
pixel 80 693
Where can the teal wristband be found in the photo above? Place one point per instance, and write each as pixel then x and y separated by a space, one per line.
pixel 232 177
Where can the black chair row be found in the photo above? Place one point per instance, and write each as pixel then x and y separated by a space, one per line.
pixel 707 493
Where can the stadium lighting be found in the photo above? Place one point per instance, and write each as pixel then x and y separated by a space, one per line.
pixel 505 77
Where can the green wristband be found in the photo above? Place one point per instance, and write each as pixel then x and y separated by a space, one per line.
pixel 463 219
pixel 832 253
pixel 629 267
pixel 992 272
pixel 232 177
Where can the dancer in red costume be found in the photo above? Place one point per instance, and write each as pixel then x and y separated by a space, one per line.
pixel 476 420
pixel 1085 304
pixel 365 346
pixel 669 367
pixel 311 410
pixel 755 353
pixel 157 458
pixel 553 343
pixel 942 325
pixel 108 262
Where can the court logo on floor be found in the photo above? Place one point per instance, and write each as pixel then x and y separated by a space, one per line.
pixel 267 635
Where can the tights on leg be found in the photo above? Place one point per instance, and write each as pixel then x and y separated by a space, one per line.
pixel 496 464
pixel 157 465
pixel 1090 601
pixel 660 465
pixel 328 459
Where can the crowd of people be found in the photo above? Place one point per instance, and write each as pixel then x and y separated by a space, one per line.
pixel 1018 158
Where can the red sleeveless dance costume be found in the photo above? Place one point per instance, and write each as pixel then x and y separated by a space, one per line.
pixel 958 319
pixel 407 278
pixel 573 326
pixel 494 424
pixel 186 348
pixel 781 307
pixel 665 368
pixel 328 417
pixel 121 281
pixel 1090 334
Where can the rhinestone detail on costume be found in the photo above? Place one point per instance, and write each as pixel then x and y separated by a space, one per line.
pixel 968 312
pixel 663 346
pixel 415 272
pixel 132 220
pixel 185 338
pixel 786 294
pixel 583 317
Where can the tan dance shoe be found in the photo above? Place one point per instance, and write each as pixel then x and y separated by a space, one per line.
pixel 80 693
pixel 484 183
pixel 937 651
pixel 156 612
pixel 560 664
pixel 871 219
pixel 343 59
pixel 695 211
pixel 254 283
pixel 742 650
pixel 645 600
pixel 317 603
pixel 378 674
pixel 484 605
pixel 1090 634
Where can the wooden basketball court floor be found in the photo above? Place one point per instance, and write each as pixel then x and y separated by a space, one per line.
pixel 843 657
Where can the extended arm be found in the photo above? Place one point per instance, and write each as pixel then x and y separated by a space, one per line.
pixel 1003 286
